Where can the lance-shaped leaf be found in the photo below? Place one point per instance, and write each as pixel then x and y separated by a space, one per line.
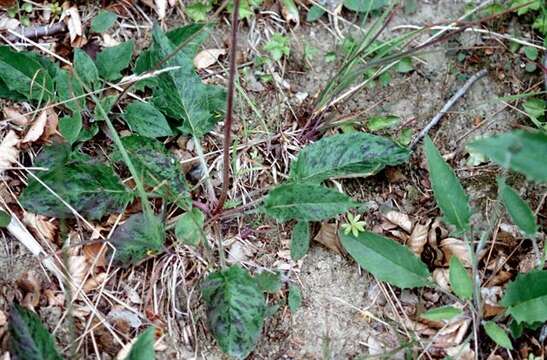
pixel 159 168
pixel 29 339
pixel 460 282
pixel 300 240
pixel 518 209
pixel 143 348
pixel 346 155
pixel 69 91
pixel 22 73
pixel 235 310
pixel 85 68
pixel 441 313
pixel 180 93
pixel 138 237
pixel 526 297
pixel 447 189
pixel 386 259
pixel 306 202
pixel 496 333
pixel 517 150
pixel 91 189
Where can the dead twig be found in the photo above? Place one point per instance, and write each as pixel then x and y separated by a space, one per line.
pixel 448 106
pixel 34 32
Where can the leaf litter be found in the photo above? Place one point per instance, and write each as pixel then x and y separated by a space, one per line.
pixel 424 234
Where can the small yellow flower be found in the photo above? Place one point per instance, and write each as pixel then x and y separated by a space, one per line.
pixel 353 225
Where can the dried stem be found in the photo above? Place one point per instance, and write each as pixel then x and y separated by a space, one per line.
pixel 229 111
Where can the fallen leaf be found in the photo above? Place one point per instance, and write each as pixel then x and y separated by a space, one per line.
pixel 3 319
pixel 31 287
pixel 51 124
pixel 440 276
pixel 14 116
pixel 461 352
pixel 73 23
pixel 399 219
pixel 418 237
pixel 458 248
pixel 95 254
pixel 45 229
pixel 452 334
pixel 53 299
pixel 94 282
pixel 37 128
pixel 161 8
pixel 8 150
pixel 77 268
pixel 207 57
pixel 328 237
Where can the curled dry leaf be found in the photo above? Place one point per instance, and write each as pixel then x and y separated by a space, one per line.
pixel 39 224
pixel 51 124
pixel 8 150
pixel 399 219
pixel 31 288
pixel 95 254
pixel 441 278
pixel 458 248
pixel 207 57
pixel 77 268
pixel 328 237
pixel 73 23
pixel 15 116
pixel 37 128
pixel 452 334
pixel 94 282
pixel 418 238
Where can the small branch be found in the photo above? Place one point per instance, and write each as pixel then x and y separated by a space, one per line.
pixel 34 32
pixel 448 106
pixel 229 112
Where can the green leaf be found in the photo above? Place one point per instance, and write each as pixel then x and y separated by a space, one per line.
pixel 197 11
pixel 29 339
pixel 535 109
pixel 181 94
pixel 278 46
pixel 138 237
pixel 314 13
pixel 22 73
pixel 159 168
pixel 112 61
pixel 377 123
pixel 85 68
pixel 517 150
pixel 518 209
pixel 528 5
pixel 146 120
pixel 531 53
pixel 460 282
pixel 306 202
pixel 106 103
pixel 5 219
pixel 405 65
pixel 526 297
pixel 189 227
pixel 269 282
pixel 540 24
pixel 143 348
pixel 441 313
pixel 68 89
pixel 365 5
pixel 497 334
pixel 447 189
pixel 295 298
pixel 235 310
pixel 346 155
pixel 70 127
pixel 103 21
pixel 91 189
pixel 300 240
pixel 386 259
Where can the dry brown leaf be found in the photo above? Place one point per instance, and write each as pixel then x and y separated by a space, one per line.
pixel 328 237
pixel 95 254
pixel 418 238
pixel 51 124
pixel 207 57
pixel 8 150
pixel 461 352
pixel 458 248
pixel 3 318
pixel 44 229
pixel 161 8
pixel 54 299
pixel 73 23
pixel 37 128
pixel 77 268
pixel 15 116
pixel 31 287
pixel 440 276
pixel 453 334
pixel 399 219
pixel 94 282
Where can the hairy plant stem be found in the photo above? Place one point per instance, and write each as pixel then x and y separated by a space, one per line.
pixel 229 111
